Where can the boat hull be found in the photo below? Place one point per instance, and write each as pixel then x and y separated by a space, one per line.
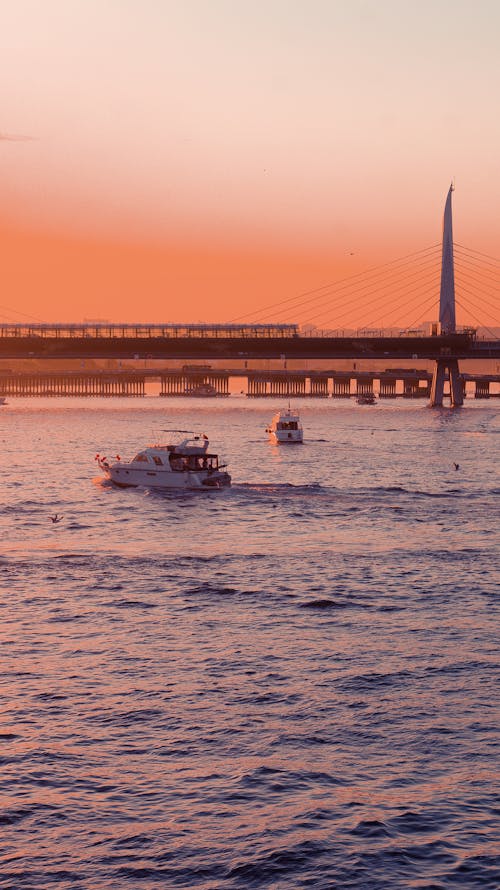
pixel 293 437
pixel 125 477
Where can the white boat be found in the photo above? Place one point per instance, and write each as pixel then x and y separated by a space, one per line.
pixel 187 465
pixel 285 428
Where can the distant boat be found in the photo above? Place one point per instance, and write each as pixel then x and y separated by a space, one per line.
pixel 285 428
pixel 203 390
pixel 367 399
pixel 3 400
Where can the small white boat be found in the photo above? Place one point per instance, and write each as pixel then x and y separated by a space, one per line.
pixel 285 428
pixel 187 465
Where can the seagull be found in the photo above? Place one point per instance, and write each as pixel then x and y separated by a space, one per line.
pixel 457 466
pixel 56 518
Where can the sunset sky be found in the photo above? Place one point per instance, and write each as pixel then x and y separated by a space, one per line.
pixel 202 159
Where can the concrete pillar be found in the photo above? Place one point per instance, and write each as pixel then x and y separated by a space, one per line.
pixel 410 388
pixel 482 390
pixel 318 387
pixel 364 386
pixel 387 387
pixel 442 366
pixel 341 387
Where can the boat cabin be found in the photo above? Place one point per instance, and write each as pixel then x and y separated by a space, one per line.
pixel 179 459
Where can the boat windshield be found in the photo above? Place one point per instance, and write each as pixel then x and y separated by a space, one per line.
pixel 288 425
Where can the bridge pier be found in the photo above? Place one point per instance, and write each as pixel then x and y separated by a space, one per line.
pixel 318 387
pixel 81 385
pixel 171 385
pixel 284 385
pixel 413 390
pixel 220 382
pixel 364 386
pixel 182 383
pixel 257 387
pixel 444 367
pixel 387 388
pixel 415 383
pixel 341 388
pixel 482 390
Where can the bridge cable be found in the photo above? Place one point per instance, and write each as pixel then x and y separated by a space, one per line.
pixel 348 278
pixel 400 300
pixel 351 281
pixel 470 288
pixel 471 250
pixel 475 306
pixel 428 307
pixel 403 306
pixel 475 281
pixel 24 314
pixel 495 337
pixel 352 297
pixel 469 264
pixel 375 299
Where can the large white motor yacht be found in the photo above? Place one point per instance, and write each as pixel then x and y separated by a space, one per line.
pixel 186 465
pixel 285 428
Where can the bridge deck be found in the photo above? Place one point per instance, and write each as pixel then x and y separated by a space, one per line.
pixel 459 346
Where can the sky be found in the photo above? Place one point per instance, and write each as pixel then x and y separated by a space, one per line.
pixel 198 160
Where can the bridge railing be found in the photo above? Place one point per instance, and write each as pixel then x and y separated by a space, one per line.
pixel 379 333
pixel 149 331
pixel 209 331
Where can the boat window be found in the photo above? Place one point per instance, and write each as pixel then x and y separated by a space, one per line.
pixel 158 461
pixel 176 462
pixel 141 457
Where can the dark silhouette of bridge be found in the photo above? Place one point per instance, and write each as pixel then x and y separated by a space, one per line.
pixel 444 344
pixel 217 343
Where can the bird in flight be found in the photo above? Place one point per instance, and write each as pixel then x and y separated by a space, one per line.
pixel 56 518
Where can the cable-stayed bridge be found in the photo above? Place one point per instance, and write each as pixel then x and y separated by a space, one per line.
pixel 407 309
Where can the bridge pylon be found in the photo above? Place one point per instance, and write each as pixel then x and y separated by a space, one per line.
pixel 447 367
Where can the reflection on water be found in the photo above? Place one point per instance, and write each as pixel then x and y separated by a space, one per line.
pixel 288 684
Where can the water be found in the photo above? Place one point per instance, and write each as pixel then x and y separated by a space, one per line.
pixel 288 684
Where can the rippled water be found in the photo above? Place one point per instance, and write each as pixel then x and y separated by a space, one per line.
pixel 289 684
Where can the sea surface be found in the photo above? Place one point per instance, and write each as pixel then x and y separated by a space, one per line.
pixel 289 684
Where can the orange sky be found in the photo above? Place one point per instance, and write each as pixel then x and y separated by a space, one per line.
pixel 66 277
pixel 199 161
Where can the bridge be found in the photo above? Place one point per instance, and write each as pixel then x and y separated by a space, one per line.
pixel 444 344
pixel 409 383
pixel 124 342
